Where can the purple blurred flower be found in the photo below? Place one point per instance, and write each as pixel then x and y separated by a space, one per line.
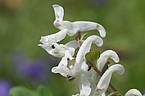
pixel 4 88
pixel 34 70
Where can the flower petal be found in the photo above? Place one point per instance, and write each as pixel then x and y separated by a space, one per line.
pixel 104 57
pixel 63 70
pixel 87 25
pixel 53 38
pixel 73 44
pixel 59 12
pixel 105 79
pixel 133 92
pixel 57 50
pixel 62 67
pixel 85 89
pixel 85 47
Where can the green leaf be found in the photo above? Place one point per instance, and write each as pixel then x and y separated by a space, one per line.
pixel 44 91
pixel 117 93
pixel 22 91
pixel 92 57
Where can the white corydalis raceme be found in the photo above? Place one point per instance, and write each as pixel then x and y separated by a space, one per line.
pixel 80 58
pixel 104 58
pixel 104 81
pixel 133 92
pixel 77 26
pixel 80 65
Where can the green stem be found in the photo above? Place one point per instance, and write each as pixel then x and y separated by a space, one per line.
pixel 79 38
pixel 100 74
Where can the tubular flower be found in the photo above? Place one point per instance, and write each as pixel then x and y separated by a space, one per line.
pixel 104 81
pixel 57 50
pixel 85 48
pixel 80 68
pixel 104 58
pixel 74 27
pixel 53 38
pixel 80 64
pixel 62 67
pixel 133 92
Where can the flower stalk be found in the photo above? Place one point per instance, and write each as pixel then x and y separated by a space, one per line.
pixel 100 74
pixel 79 38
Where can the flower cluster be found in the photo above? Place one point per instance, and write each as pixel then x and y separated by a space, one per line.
pixel 77 59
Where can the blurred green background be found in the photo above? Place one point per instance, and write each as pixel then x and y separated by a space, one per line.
pixel 23 22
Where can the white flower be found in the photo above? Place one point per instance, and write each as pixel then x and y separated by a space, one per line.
pixel 80 68
pixel 104 58
pixel 49 43
pixel 53 38
pixel 63 65
pixel 104 81
pixel 77 26
pixel 80 62
pixel 85 48
pixel 57 50
pixel 133 92
pixel 84 85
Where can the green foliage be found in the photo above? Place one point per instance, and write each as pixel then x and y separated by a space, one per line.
pixel 92 57
pixel 44 91
pixel 22 91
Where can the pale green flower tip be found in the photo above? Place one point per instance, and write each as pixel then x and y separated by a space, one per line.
pixel 56 5
pixel 101 30
pixel 103 33
pixel 118 68
pixel 42 39
pixel 121 69
pixel 53 70
pixel 97 40
pixel 113 55
pixel 133 92
pixel 40 45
